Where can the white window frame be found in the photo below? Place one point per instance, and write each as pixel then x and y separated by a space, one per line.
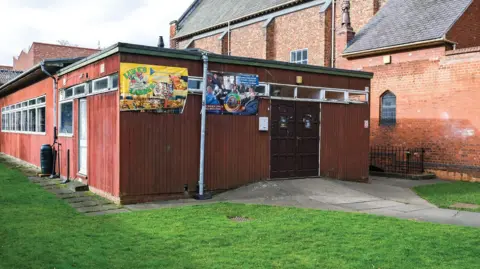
pixel 297 61
pixel 89 88
pixel 60 133
pixel 22 107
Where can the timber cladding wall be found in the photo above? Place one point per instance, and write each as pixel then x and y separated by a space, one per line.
pixel 344 142
pixel 160 153
pixel 27 146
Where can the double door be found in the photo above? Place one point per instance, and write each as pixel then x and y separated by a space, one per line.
pixel 294 141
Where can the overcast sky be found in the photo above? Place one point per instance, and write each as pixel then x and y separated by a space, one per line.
pixel 84 22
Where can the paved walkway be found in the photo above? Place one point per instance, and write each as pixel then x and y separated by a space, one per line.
pixel 83 202
pixel 384 196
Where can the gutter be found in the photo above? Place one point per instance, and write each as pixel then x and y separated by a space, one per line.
pixel 426 43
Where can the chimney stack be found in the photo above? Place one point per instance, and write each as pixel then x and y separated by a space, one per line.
pixel 173 32
pixel 345 34
pixel 161 44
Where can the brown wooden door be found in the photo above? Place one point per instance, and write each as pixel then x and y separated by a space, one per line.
pixel 294 139
pixel 283 139
pixel 307 136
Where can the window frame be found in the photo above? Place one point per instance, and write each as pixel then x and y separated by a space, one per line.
pixel 10 112
pixel 293 57
pixel 390 121
pixel 60 133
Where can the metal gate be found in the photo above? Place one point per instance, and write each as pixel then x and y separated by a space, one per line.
pixel 397 160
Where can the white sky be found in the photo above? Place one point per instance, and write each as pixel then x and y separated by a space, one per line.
pixel 84 22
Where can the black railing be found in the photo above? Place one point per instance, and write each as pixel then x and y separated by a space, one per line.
pixel 397 160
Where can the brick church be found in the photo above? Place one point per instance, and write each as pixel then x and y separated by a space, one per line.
pixel 425 56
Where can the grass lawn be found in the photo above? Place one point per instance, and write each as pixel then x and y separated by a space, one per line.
pixel 446 194
pixel 37 230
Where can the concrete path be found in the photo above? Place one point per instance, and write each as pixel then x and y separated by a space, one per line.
pixel 84 202
pixel 384 196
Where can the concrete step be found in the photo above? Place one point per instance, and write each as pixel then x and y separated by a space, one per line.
pixel 77 186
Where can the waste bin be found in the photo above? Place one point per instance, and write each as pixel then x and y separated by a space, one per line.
pixel 46 159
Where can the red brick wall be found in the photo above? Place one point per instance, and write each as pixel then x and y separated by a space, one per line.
pixel 41 51
pixel 436 107
pixel 249 41
pixel 300 30
pixel 210 43
pixel 466 31
pixel 183 44
pixel 23 62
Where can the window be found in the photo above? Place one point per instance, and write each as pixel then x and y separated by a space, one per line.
pixel 66 118
pixel 195 84
pixel 32 120
pixel 104 84
pixel 41 119
pixel 114 79
pixel 100 84
pixel 299 56
pixel 388 109
pixel 24 121
pixel 79 90
pixel 23 117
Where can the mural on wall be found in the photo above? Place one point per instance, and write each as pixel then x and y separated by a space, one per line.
pixel 233 93
pixel 153 88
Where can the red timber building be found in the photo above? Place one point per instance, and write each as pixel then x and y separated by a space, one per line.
pixel 306 119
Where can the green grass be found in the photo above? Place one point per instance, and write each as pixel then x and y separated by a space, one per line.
pixel 39 231
pixel 446 194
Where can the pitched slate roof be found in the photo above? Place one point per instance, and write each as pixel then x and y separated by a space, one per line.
pixel 402 22
pixel 203 14
pixel 7 75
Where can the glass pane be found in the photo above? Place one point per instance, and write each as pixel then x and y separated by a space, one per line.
pixel 32 120
pixel 41 119
pixel 24 121
pixel 282 91
pixel 101 84
pixel 17 105
pixel 389 109
pixel 292 56
pixel 80 90
pixel 308 93
pixel 305 55
pixel 24 104
pixel 32 102
pixel 260 89
pixel 41 100
pixel 68 93
pixel 18 122
pixel 114 79
pixel 299 55
pixel 66 118
pixel 194 84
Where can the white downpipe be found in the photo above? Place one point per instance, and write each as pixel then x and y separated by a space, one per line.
pixel 333 35
pixel 203 126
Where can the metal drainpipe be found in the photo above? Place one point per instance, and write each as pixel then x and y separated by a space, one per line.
pixel 333 34
pixel 201 195
pixel 55 86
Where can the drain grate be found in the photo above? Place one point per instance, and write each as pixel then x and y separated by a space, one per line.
pixel 240 219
